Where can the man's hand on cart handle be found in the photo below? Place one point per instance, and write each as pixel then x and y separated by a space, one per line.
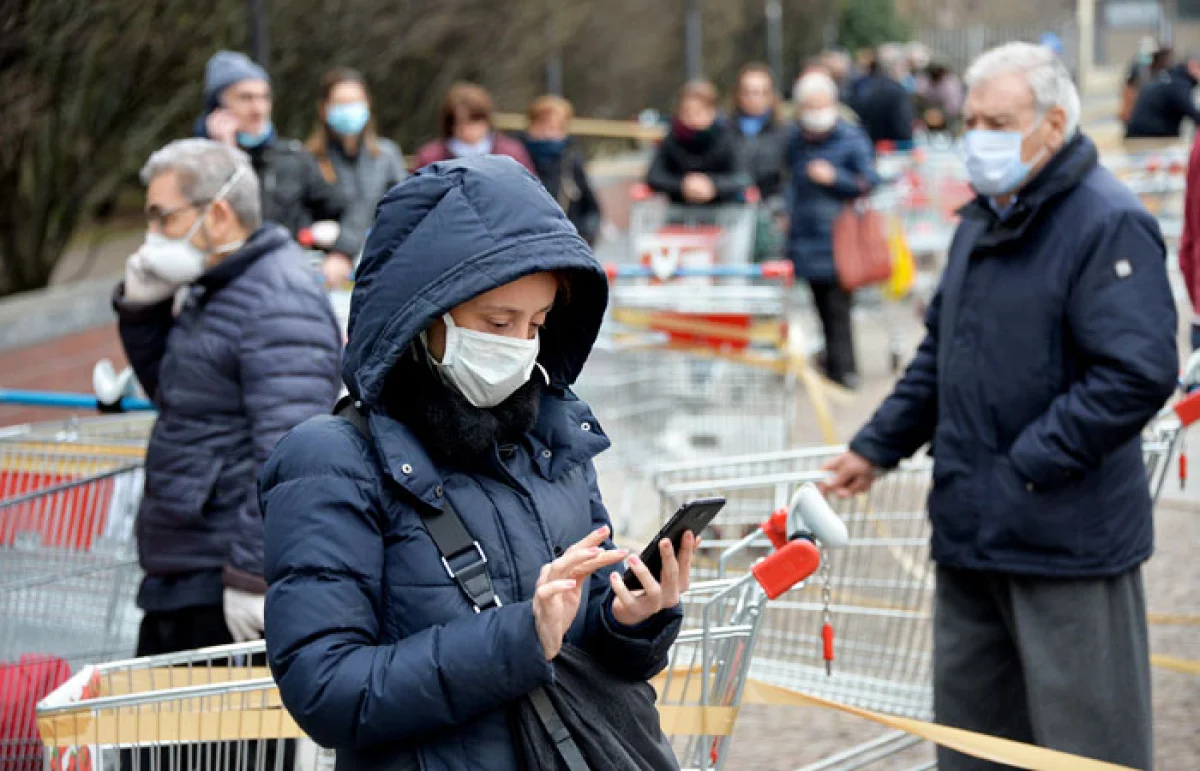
pixel 849 474
pixel 244 614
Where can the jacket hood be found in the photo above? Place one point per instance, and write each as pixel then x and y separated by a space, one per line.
pixel 455 230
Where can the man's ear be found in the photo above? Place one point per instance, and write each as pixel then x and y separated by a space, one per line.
pixel 222 218
pixel 1056 119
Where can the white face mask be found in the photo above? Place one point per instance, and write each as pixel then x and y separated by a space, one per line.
pixel 485 368
pixel 819 121
pixel 178 260
pixel 461 149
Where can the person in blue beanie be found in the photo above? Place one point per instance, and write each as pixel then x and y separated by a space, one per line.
pixel 475 308
pixel 237 112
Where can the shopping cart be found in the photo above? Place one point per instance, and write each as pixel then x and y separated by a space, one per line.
pixel 690 235
pixel 1159 179
pixel 877 592
pixel 69 493
pixel 218 708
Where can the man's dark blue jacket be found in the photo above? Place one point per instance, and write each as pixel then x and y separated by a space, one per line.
pixel 376 651
pixel 1050 343
pixel 253 353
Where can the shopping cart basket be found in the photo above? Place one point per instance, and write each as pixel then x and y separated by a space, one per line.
pixel 68 572
pixel 690 235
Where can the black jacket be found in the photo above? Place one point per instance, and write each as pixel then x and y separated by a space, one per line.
pixel 714 153
pixel 293 191
pixel 1163 104
pixel 253 352
pixel 885 109
pixel 564 175
pixel 764 156
pixel 1050 343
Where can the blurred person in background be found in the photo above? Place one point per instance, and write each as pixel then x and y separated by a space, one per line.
pixel 830 164
pixel 882 103
pixel 917 59
pixel 697 161
pixel 939 99
pixel 233 339
pixel 864 65
pixel 237 112
pixel 1164 102
pixel 1050 343
pixel 560 164
pixel 1151 60
pixel 759 133
pixel 354 158
pixel 467 130
pixel 841 68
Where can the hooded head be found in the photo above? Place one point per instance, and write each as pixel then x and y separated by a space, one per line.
pixel 451 232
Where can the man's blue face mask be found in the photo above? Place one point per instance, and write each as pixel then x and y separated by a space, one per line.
pixel 993 159
pixel 249 141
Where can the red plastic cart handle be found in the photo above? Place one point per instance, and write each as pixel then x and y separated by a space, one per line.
pixel 1187 409
pixel 785 568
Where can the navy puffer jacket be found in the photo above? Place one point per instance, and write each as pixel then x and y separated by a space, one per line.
pixel 376 651
pixel 1050 344
pixel 253 353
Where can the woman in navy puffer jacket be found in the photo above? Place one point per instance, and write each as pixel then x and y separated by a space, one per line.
pixel 476 306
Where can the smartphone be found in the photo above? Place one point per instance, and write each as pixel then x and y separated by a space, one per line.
pixel 693 516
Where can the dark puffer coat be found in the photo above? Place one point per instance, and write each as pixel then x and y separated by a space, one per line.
pixel 1050 344
pixel 253 353
pixel 376 651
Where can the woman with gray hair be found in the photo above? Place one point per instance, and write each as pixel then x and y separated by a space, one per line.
pixel 233 339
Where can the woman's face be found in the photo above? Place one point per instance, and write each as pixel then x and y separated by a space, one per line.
pixel 515 310
pixel 471 131
pixel 346 92
pixel 755 93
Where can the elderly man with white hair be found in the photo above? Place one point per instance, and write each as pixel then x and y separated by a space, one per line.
pixel 830 164
pixel 1050 343
pixel 231 335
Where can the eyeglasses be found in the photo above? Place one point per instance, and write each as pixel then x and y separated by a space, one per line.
pixel 161 217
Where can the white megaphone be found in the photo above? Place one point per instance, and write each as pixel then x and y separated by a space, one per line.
pixel 111 386
pixel 809 511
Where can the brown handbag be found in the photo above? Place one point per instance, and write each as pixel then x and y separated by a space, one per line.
pixel 860 248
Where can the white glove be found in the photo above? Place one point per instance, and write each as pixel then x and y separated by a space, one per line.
pixel 244 614
pixel 142 285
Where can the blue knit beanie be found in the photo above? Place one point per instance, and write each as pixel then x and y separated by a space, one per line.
pixel 226 68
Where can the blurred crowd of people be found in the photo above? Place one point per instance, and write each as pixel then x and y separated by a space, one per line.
pixel 1156 93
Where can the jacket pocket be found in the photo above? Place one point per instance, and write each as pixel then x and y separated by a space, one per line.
pixel 179 483
pixel 1026 520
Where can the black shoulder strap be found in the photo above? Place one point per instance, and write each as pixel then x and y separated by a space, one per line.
pixel 462 556
pixel 466 564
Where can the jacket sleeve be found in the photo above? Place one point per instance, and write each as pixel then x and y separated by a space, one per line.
pixel 143 330
pixel 1185 103
pixel 342 683
pixel 858 177
pixel 636 653
pixel 1188 257
pixel 905 421
pixel 589 214
pixel 288 359
pixel 1121 316
pixel 325 202
pixel 728 176
pixel 662 178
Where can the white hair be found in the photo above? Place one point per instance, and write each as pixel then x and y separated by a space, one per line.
pixel 203 168
pixel 813 83
pixel 1045 73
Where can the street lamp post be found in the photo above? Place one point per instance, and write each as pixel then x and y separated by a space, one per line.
pixel 256 10
pixel 774 14
pixel 693 30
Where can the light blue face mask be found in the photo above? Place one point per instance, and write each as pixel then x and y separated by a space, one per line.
pixel 461 149
pixel 993 159
pixel 348 119
pixel 250 141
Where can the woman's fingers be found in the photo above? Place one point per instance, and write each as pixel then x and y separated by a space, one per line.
pixel 621 591
pixel 592 539
pixel 670 572
pixel 551 588
pixel 690 544
pixel 653 592
pixel 584 562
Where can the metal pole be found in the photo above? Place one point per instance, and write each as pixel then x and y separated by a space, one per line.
pixel 257 12
pixel 554 63
pixel 693 31
pixel 774 14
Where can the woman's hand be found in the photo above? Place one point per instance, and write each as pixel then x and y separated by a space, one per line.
pixel 632 608
pixel 560 588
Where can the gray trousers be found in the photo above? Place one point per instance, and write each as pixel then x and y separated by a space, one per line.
pixel 1064 664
